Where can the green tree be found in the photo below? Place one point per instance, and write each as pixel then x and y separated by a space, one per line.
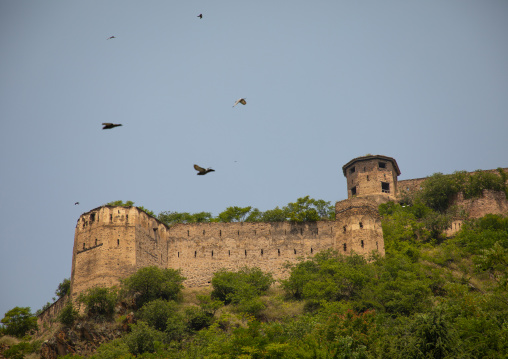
pixel 150 283
pixel 157 312
pixel 19 321
pixel 99 301
pixel 234 214
pixel 143 339
pixel 307 209
pixel 63 288
pixel 171 218
pixel 244 285
pixel 68 315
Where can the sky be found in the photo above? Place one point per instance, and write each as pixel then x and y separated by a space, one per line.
pixel 424 82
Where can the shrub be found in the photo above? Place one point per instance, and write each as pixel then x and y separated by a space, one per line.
pixel 157 312
pixel 99 301
pixel 68 315
pixel 150 283
pixel 143 338
pixel 246 283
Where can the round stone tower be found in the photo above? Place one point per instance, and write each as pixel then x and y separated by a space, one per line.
pixel 372 176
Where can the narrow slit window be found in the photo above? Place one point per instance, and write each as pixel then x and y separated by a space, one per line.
pixel 92 217
pixel 345 247
pixel 111 218
pixel 352 170
pixel 353 191
pixel 344 228
pixel 229 253
pixel 84 246
pixel 195 254
pixel 127 217
pixel 212 253
pixel 246 253
pixel 261 252
pixel 188 233
pixel 220 233
pixel 311 250
pixel 178 254
pixel 238 232
pixel 294 250
pixel 361 225
pixel 278 252
pixel 117 242
pixel 361 243
pixel 368 178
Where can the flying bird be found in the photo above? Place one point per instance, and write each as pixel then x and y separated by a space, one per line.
pixel 108 125
pixel 111 37
pixel 241 100
pixel 76 203
pixel 202 171
pixel 200 16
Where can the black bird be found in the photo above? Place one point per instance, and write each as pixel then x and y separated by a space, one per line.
pixel 76 203
pixel 200 16
pixel 108 125
pixel 111 37
pixel 202 171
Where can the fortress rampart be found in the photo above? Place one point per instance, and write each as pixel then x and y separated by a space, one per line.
pixel 111 243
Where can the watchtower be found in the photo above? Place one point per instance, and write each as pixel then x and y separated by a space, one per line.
pixel 374 176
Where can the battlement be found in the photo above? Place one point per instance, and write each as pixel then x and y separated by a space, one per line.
pixel 112 242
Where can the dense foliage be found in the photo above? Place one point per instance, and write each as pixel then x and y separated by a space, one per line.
pixel 305 209
pixel 150 283
pixel 439 189
pixel 99 301
pixel 18 321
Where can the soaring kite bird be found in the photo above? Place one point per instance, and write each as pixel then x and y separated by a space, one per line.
pixel 200 16
pixel 242 101
pixel 202 171
pixel 76 203
pixel 108 125
pixel 111 37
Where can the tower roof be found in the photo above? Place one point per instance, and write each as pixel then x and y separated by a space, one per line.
pixel 372 157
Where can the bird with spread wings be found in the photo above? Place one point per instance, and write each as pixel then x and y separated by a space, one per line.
pixel 202 171
pixel 108 125
pixel 241 100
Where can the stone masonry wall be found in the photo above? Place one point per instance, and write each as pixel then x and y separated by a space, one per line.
pixel 104 248
pixel 199 250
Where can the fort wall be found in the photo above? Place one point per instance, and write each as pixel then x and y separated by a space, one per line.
pixel 111 243
pixel 201 249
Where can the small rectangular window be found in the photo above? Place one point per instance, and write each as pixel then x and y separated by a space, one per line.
pixel 352 170
pixel 382 165
pixel 353 191
pixel 385 187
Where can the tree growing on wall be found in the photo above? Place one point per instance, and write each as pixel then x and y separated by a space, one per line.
pixel 63 288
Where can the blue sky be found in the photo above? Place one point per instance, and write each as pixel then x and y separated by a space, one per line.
pixel 424 82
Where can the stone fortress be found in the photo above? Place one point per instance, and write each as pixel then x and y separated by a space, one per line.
pixel 111 243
